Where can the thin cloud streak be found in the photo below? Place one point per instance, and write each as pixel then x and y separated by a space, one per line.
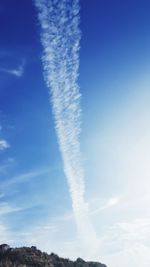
pixel 110 203
pixel 18 72
pixel 23 178
pixel 60 37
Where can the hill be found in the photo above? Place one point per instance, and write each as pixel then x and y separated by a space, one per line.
pixel 32 257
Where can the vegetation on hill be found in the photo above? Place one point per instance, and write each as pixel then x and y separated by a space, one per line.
pixel 32 257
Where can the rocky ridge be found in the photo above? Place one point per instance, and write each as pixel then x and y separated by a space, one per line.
pixel 32 257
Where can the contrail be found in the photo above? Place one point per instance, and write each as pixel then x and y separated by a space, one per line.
pixel 60 36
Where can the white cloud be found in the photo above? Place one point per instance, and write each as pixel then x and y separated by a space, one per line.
pixel 61 45
pixel 4 144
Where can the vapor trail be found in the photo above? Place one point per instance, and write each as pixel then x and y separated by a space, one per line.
pixel 60 36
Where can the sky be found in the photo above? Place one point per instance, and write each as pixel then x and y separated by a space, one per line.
pixel 35 201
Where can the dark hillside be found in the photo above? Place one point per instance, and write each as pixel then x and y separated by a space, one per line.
pixel 32 257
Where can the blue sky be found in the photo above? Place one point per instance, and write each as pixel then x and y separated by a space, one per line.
pixel 35 204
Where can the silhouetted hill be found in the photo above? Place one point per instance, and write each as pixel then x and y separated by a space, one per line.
pixel 32 257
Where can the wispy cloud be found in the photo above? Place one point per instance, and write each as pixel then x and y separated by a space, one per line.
pixel 110 203
pixel 61 41
pixel 18 72
pixel 23 177
pixel 5 209
pixel 127 243
pixel 48 227
pixel 136 230
pixel 6 165
pixel 4 144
